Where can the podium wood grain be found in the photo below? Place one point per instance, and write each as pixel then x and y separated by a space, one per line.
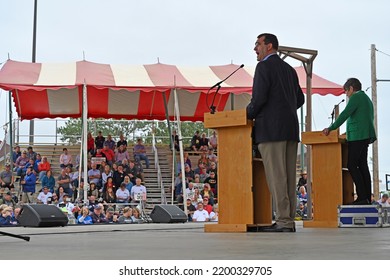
pixel 331 182
pixel 238 206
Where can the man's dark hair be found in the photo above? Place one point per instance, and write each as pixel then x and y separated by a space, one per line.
pixel 270 39
pixel 354 83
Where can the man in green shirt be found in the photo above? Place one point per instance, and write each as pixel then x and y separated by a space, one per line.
pixel 359 114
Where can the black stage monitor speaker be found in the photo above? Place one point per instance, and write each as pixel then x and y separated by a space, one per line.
pixel 42 215
pixel 168 214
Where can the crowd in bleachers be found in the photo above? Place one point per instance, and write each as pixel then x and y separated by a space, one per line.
pixel 115 178
pixel 116 191
pixel 200 179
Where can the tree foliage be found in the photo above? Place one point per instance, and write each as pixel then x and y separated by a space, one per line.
pixel 132 129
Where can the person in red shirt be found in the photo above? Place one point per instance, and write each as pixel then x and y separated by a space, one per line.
pixel 43 166
pixel 90 143
pixel 206 205
pixel 109 154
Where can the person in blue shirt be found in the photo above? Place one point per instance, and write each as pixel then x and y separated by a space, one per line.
pixel 28 185
pixel 6 217
pixel 84 218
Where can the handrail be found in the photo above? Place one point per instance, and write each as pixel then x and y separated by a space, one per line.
pixel 159 175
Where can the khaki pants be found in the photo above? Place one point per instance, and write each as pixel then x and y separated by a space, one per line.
pixel 279 160
pixel 27 197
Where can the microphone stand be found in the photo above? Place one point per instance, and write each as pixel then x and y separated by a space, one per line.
pixel 26 238
pixel 218 85
pixel 212 107
pixel 334 110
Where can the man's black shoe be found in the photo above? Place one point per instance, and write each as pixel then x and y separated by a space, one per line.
pixel 277 228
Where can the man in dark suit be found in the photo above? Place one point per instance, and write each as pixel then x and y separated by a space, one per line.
pixel 276 96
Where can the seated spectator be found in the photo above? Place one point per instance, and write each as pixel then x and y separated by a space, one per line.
pixel 28 186
pixel 175 140
pixel 109 184
pixel 16 153
pixel 8 200
pixel 140 152
pixel 109 196
pixel 197 197
pixel 129 184
pixel 99 141
pixel 84 218
pixel 64 181
pixel 105 174
pixel 190 191
pixel 111 217
pixel 212 181
pixel 110 143
pixel 211 156
pixel 6 217
pixel 138 191
pixel 207 192
pixel 121 154
pixel 122 194
pixel 119 176
pixel 213 168
pixel 303 180
pixel 135 171
pixel 30 163
pixel 97 216
pixel 66 205
pixel 65 159
pixel 195 141
pixel 60 194
pixel 204 159
pixel 93 191
pixel 31 154
pixel 108 154
pixel 6 178
pixel 204 143
pixel 187 159
pixel 214 214
pixel 127 216
pixel 213 141
pixel 90 143
pixel 189 173
pixel 200 215
pixel 137 216
pixel 20 164
pixel 44 195
pixel 302 195
pixel 190 209
pixel 94 176
pixel 206 205
pixel 43 167
pixel 384 200
pixel 53 200
pixel 122 141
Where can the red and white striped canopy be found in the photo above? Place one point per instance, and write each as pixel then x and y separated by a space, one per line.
pixel 50 90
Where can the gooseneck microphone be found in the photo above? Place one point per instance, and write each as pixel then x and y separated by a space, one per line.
pixel 334 109
pixel 218 85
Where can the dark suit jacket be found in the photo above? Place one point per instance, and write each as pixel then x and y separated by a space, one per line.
pixel 276 96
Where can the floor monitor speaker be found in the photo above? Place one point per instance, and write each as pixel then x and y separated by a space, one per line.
pixel 166 213
pixel 42 215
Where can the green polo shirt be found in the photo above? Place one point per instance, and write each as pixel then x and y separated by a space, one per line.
pixel 359 114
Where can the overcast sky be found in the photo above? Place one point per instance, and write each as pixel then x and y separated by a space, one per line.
pixel 209 32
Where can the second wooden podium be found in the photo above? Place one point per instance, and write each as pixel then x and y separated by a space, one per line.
pixel 332 184
pixel 243 197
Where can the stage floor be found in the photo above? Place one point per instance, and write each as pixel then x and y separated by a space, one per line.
pixel 189 241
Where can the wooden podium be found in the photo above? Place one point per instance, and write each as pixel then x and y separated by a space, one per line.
pixel 244 200
pixel 332 184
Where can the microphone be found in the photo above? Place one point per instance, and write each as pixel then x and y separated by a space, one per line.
pixel 218 85
pixel 334 109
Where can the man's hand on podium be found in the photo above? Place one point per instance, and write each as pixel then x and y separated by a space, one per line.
pixel 326 131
